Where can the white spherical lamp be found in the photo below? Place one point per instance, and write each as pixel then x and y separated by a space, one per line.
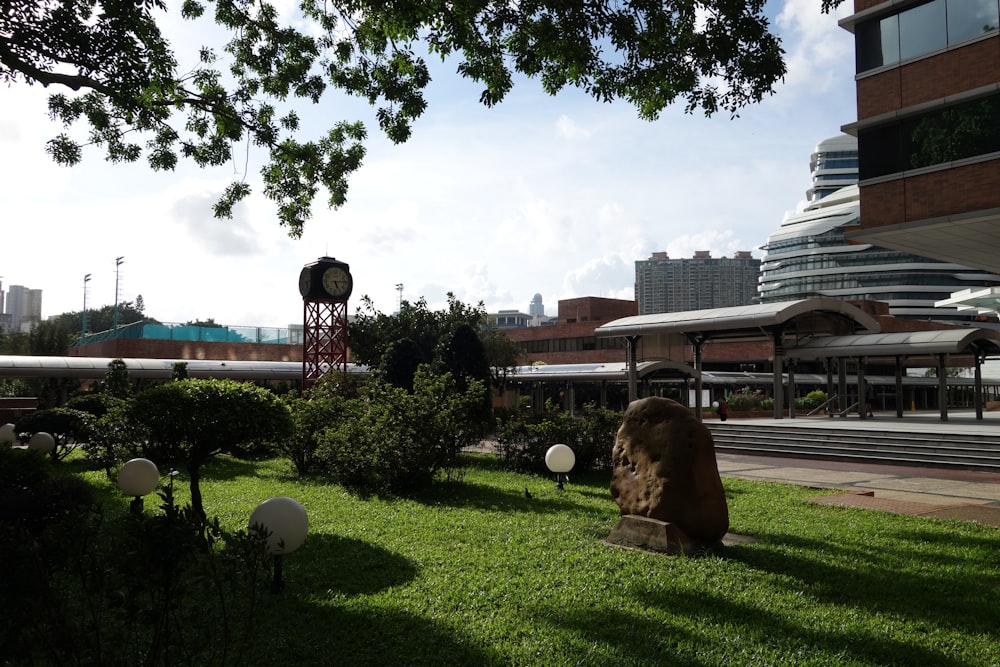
pixel 42 442
pixel 560 460
pixel 286 522
pixel 8 436
pixel 138 477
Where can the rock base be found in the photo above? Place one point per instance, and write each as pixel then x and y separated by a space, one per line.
pixel 640 532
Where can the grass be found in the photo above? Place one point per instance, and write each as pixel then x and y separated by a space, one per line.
pixel 476 573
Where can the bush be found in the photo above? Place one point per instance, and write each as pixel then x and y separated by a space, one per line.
pixel 522 443
pixel 746 400
pixel 67 426
pixel 95 404
pixel 326 405
pixel 189 421
pixel 21 468
pixel 127 589
pixel 812 400
pixel 391 441
pixel 116 437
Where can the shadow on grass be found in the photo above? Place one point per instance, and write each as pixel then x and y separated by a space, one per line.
pixel 298 631
pixel 330 566
pixel 465 494
pixel 695 621
pixel 226 468
pixel 312 621
pixel 951 594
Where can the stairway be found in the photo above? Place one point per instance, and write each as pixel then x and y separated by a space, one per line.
pixel 871 445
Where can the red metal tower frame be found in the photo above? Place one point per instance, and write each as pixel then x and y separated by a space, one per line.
pixel 324 339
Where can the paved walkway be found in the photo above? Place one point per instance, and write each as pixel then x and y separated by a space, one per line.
pixel 921 491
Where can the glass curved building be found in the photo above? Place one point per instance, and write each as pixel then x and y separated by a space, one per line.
pixel 810 256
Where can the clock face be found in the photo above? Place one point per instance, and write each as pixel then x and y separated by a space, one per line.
pixel 305 282
pixel 336 282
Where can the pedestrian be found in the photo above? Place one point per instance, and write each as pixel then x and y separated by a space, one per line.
pixel 723 410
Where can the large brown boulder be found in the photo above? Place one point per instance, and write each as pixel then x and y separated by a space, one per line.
pixel 664 468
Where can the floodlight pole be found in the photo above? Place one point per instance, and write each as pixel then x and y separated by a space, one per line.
pixel 86 279
pixel 118 263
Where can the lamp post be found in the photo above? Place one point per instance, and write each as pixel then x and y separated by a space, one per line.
pixel 86 279
pixel 284 523
pixel 560 460
pixel 118 263
pixel 138 478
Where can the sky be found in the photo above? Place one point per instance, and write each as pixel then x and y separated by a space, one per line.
pixel 558 196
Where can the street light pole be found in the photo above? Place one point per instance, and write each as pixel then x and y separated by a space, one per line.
pixel 118 263
pixel 86 279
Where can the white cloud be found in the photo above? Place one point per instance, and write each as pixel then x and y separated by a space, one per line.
pixel 568 128
pixel 818 52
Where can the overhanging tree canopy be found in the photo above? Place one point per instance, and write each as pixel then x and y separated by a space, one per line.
pixel 126 85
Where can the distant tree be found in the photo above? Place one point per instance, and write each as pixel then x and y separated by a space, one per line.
pixel 136 97
pixel 179 371
pixel 372 332
pixel 949 371
pixel 17 342
pixel 116 380
pixel 400 362
pixel 103 318
pixel 210 322
pixel 504 355
pixel 190 421
pixel 51 338
pixel 461 353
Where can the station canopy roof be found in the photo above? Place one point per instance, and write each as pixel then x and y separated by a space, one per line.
pixel 612 372
pixel 820 316
pixel 905 343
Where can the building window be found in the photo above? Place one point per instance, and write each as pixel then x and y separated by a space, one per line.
pixel 922 29
pixel 970 18
pixel 959 132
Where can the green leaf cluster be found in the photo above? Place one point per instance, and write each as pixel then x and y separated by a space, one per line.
pixel 132 96
pixel 523 440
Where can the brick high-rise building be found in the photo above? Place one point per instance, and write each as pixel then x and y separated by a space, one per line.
pixel 928 128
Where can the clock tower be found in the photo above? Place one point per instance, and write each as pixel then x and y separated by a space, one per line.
pixel 325 286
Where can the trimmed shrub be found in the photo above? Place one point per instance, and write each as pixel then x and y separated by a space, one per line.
pixel 391 441
pixel 189 421
pixel 67 426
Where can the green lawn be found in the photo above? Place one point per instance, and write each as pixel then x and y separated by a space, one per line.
pixel 475 573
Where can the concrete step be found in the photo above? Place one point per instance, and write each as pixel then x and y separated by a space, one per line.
pixel 918 448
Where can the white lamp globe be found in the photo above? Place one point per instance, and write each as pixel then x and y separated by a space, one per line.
pixel 42 442
pixel 560 459
pixel 8 436
pixel 286 521
pixel 138 477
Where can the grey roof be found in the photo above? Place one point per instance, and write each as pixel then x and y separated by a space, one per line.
pixel 906 343
pixel 740 322
pixel 617 371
